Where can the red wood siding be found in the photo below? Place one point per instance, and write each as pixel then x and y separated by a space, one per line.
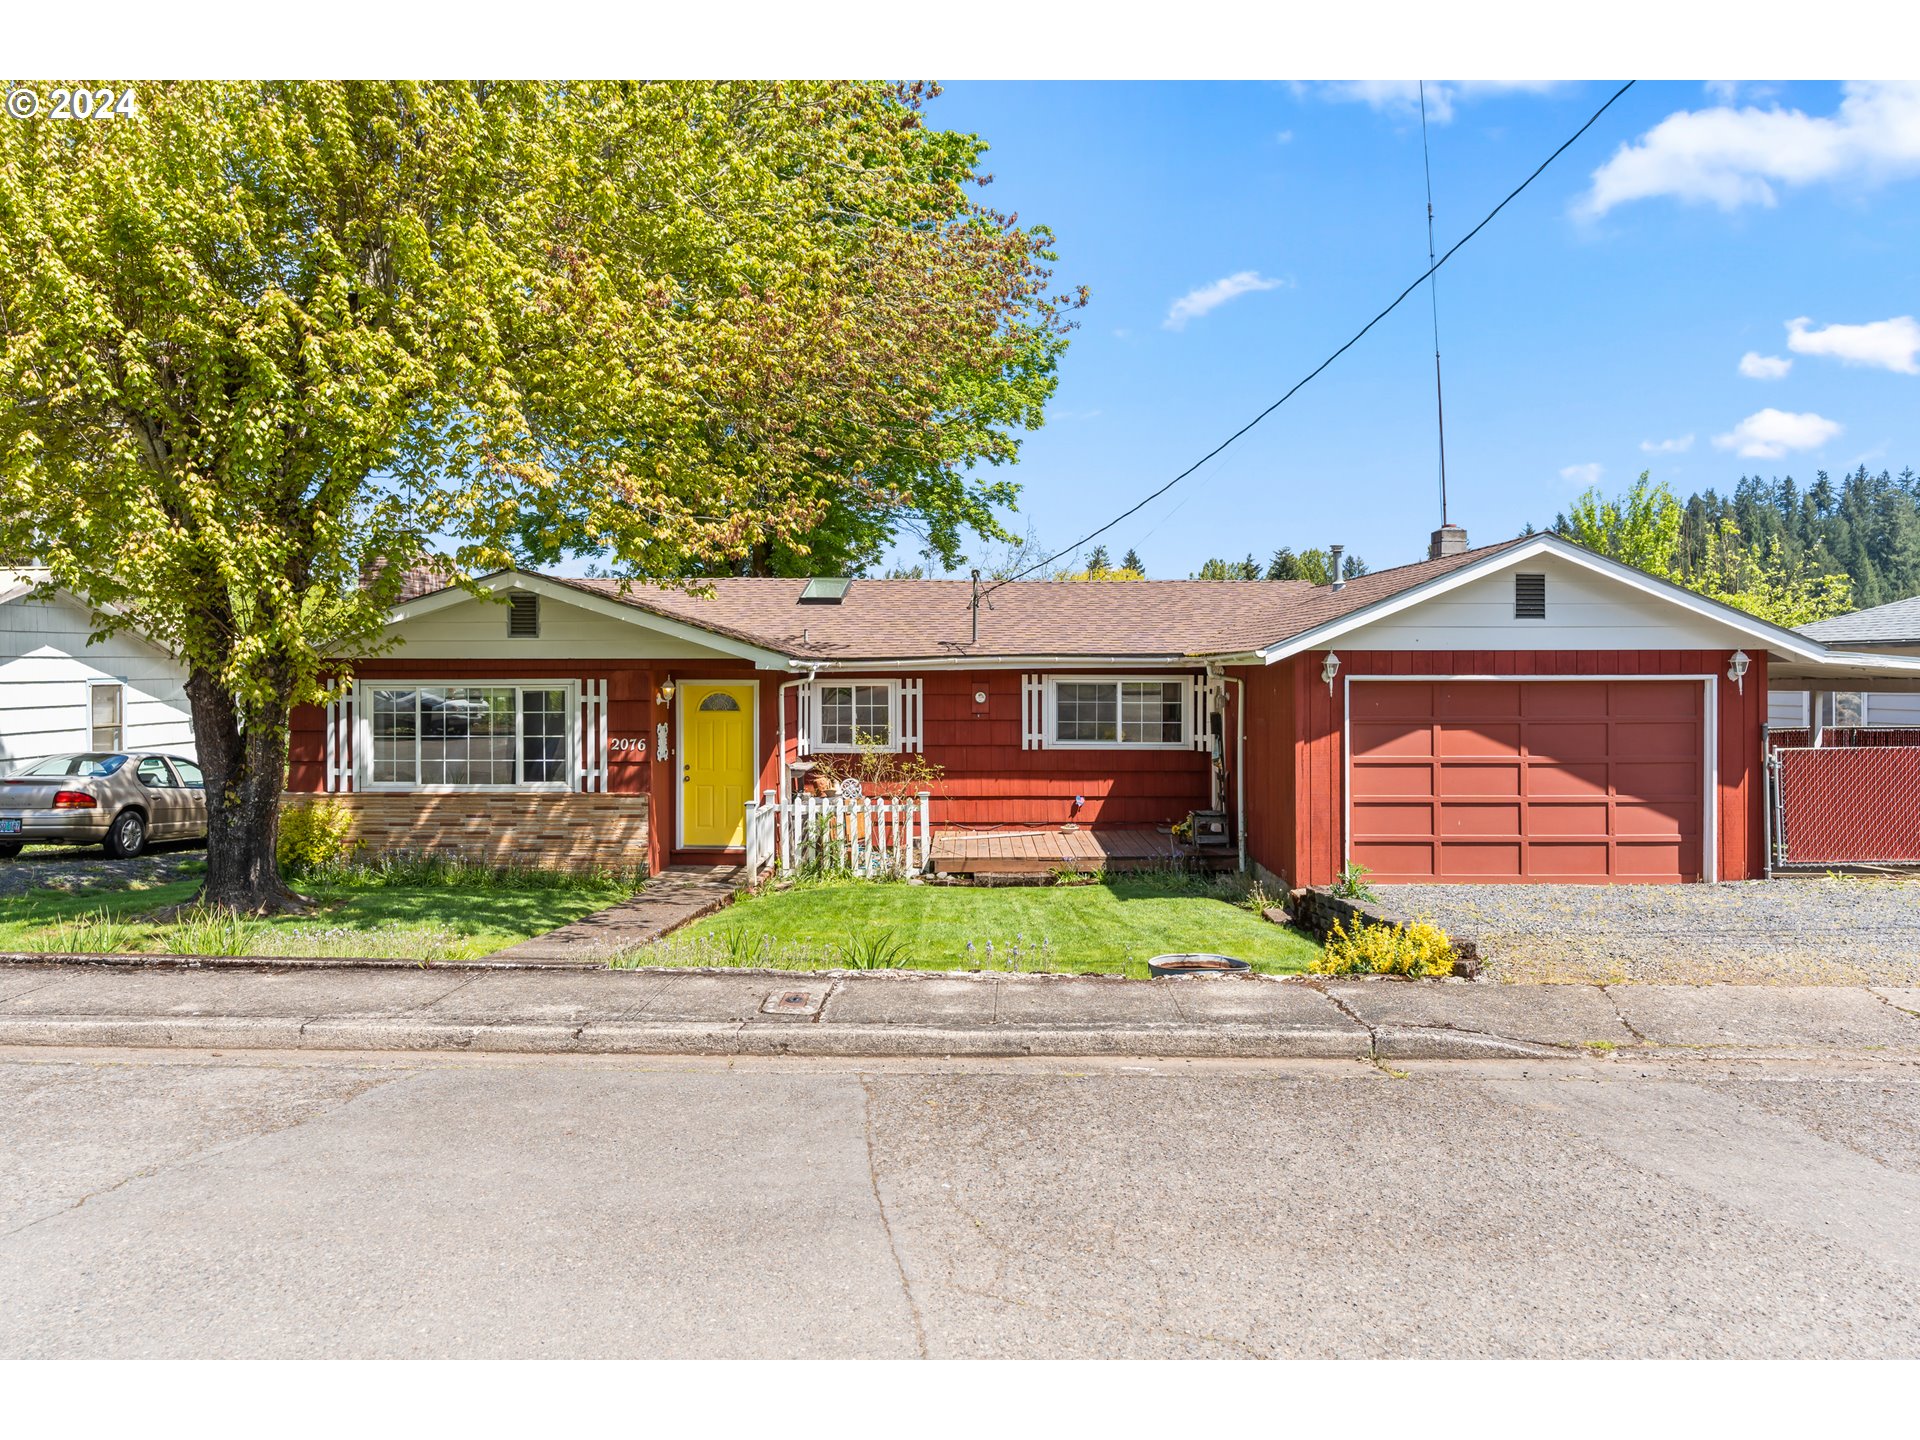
pixel 1270 768
pixel 1305 843
pixel 989 782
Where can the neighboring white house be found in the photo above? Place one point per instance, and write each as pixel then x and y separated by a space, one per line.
pixel 58 694
pixel 1884 630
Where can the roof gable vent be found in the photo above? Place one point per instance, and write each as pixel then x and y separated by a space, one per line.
pixel 1529 597
pixel 825 590
pixel 523 615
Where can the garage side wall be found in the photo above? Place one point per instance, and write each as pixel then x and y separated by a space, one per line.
pixel 1301 835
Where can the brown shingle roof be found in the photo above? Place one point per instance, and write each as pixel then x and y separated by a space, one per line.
pixel 930 619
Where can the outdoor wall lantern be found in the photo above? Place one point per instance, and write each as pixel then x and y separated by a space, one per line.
pixel 1329 669
pixel 1737 669
pixel 665 695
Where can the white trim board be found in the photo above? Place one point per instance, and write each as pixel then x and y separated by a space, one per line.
pixel 1710 722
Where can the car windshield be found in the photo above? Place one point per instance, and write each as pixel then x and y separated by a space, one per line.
pixel 75 765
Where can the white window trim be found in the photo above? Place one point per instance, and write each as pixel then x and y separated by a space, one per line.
pixel 121 726
pixel 817 726
pixel 362 702
pixel 1050 729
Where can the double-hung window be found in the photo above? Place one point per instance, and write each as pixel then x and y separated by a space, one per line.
pixel 1089 712
pixel 856 715
pixel 467 737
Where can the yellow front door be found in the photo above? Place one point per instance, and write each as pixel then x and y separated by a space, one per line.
pixel 716 763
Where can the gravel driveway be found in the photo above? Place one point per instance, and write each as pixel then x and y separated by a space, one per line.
pixel 75 871
pixel 1839 931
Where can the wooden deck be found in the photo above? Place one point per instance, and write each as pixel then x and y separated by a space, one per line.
pixel 1041 852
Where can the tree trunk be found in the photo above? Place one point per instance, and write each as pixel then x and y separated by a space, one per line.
pixel 245 768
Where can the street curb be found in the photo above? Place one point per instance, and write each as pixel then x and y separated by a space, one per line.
pixel 133 961
pixel 639 1038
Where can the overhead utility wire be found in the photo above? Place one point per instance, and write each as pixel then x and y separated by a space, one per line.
pixel 1300 384
pixel 1433 294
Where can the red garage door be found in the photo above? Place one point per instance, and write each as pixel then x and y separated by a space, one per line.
pixel 1591 780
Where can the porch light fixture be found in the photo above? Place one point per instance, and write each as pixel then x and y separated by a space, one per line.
pixel 665 694
pixel 1330 668
pixel 1737 669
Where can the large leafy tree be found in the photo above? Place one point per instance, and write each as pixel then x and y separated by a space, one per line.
pixel 266 344
pixel 1640 528
pixel 1758 574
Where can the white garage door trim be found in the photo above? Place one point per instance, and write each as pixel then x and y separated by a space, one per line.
pixel 1710 723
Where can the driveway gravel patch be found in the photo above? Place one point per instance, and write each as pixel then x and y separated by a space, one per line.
pixel 1827 931
pixel 76 872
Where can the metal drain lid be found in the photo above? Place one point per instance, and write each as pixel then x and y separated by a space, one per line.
pixel 791 1002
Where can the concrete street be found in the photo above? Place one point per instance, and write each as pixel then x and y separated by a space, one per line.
pixel 182 1203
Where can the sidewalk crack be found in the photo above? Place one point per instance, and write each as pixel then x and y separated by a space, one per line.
pixel 1373 1036
pixel 886 1225
pixel 210 1152
pixel 1607 991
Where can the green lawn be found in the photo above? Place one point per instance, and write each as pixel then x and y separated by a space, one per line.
pixel 1109 928
pixel 424 922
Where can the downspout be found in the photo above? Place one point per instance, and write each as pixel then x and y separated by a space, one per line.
pixel 1239 766
pixel 781 758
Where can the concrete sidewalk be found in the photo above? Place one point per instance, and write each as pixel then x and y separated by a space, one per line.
pixel 909 1013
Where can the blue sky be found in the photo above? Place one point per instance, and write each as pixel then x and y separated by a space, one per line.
pixel 1598 316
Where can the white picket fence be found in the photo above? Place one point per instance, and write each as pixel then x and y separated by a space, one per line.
pixel 869 836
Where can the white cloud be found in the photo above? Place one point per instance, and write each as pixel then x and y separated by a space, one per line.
pixel 1677 446
pixel 1768 434
pixel 1756 366
pixel 1888 344
pixel 1195 303
pixel 1582 475
pixel 1733 157
pixel 1403 96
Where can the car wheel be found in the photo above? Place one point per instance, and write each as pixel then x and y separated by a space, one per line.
pixel 127 836
pixel 9 849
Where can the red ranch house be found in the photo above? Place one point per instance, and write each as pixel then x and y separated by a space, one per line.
pixel 1527 711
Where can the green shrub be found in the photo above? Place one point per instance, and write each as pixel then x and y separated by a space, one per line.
pixel 1416 949
pixel 315 835
pixel 881 950
pixel 1352 884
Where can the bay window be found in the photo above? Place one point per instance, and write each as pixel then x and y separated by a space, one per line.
pixel 1087 712
pixel 467 737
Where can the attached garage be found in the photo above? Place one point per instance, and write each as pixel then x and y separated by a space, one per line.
pixel 1529 779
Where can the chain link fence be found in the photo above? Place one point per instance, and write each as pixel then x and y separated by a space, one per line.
pixel 1845 804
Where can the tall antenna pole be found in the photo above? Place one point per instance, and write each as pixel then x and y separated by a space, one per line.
pixel 1433 294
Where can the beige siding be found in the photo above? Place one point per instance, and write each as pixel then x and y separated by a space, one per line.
pixel 477 630
pixel 1585 611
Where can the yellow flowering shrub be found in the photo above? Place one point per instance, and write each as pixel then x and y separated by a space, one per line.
pixel 1416 949
pixel 313 835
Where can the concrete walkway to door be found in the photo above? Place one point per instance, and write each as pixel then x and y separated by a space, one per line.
pixel 673 898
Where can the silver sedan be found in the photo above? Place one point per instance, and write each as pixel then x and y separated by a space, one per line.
pixel 118 800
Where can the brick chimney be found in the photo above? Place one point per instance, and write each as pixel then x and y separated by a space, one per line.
pixel 1447 540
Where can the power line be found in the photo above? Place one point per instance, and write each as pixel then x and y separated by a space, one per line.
pixel 1311 374
pixel 1433 294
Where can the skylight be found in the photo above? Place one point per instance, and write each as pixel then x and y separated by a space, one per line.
pixel 824 590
